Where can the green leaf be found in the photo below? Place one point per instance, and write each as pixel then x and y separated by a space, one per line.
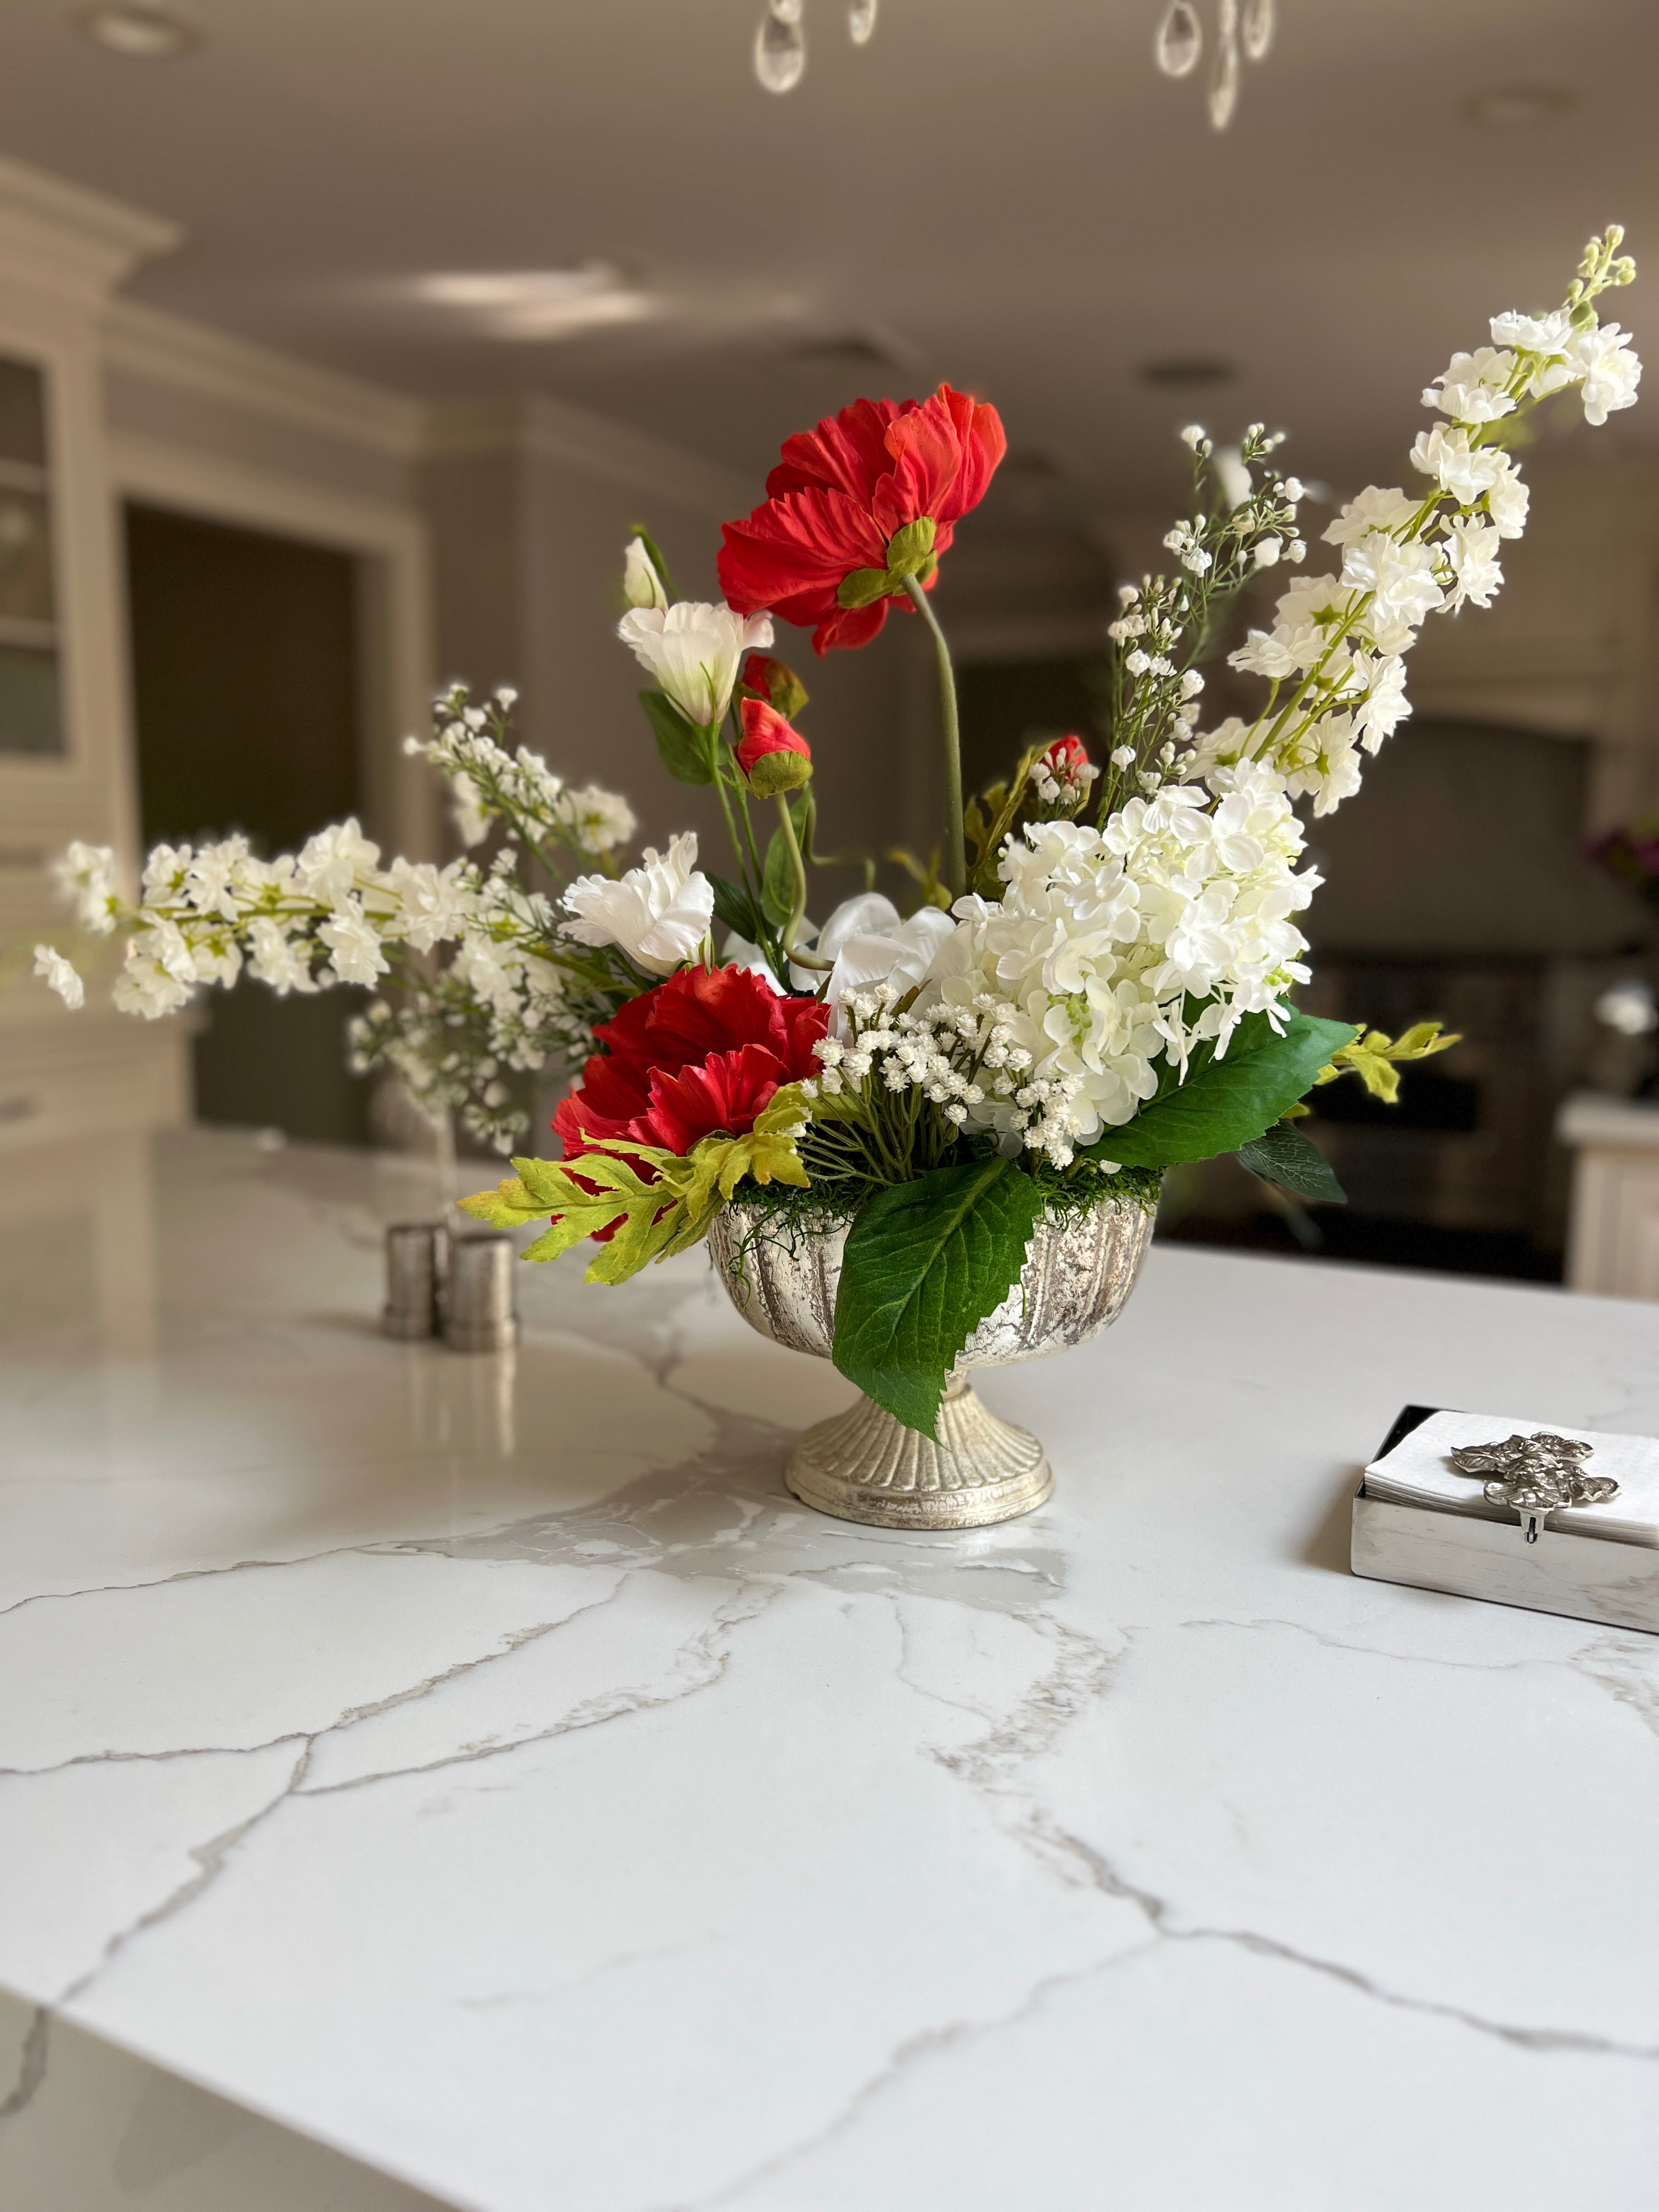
pixel 778 877
pixel 1282 1155
pixel 1228 1101
pixel 734 910
pixel 864 587
pixel 685 749
pixel 926 1263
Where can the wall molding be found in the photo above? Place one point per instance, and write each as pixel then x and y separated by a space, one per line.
pixel 553 429
pixel 144 342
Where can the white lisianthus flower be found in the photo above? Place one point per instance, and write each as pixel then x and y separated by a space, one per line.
pixel 1611 372
pixel 1375 508
pixel 87 873
pixel 275 961
pixel 869 944
pixel 599 820
pixel 641 585
pixel 58 975
pixel 659 912
pixel 695 652
pixel 1472 548
pixel 329 863
pixel 1473 388
pixel 354 944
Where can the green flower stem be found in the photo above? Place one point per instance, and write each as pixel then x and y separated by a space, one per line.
pixel 715 763
pixel 798 905
pixel 956 849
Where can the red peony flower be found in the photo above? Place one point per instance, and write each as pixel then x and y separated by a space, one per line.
pixel 772 756
pixel 841 494
pixel 725 1025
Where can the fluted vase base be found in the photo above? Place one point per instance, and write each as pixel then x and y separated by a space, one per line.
pixel 863 1465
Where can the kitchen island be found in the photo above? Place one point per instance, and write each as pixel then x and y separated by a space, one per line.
pixel 475 1780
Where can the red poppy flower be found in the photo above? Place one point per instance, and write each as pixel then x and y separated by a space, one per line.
pixel 773 757
pixel 841 495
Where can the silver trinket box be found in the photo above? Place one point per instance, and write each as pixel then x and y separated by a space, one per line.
pixel 1545 1523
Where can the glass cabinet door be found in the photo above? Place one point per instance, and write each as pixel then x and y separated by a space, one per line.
pixel 30 717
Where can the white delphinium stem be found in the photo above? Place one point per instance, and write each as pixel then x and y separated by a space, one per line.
pixel 1332 656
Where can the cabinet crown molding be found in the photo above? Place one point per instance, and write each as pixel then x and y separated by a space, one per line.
pixel 63 239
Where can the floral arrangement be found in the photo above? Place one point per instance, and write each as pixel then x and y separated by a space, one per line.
pixel 1098 983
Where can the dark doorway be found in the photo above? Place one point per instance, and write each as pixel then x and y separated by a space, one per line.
pixel 247 698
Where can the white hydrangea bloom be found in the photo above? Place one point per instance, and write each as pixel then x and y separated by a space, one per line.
pixel 1102 936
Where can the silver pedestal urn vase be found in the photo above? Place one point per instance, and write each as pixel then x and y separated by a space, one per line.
pixel 864 1465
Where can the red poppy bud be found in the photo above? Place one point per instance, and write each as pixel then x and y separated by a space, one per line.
pixel 776 682
pixel 772 756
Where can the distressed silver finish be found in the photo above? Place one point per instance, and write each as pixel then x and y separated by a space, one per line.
pixel 478 1304
pixel 1534 1474
pixel 865 1465
pixel 414 1278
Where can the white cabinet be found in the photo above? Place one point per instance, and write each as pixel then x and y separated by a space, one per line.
pixel 65 744
pixel 1613 1244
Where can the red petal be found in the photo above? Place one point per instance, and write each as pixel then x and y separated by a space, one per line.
pixel 926 458
pixel 793 553
pixel 981 442
pixel 846 452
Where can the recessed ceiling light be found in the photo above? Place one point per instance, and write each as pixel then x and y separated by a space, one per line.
pixel 139 34
pixel 541 303
pixel 1186 375
pixel 1519 106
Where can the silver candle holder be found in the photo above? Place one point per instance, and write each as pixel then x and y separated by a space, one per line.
pixel 478 1302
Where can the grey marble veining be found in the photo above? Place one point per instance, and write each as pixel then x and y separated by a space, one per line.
pixel 484 1770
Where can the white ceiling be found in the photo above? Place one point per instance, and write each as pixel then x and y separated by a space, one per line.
pixel 1008 191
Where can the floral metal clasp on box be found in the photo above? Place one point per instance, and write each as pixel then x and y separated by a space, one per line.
pixel 1534 1474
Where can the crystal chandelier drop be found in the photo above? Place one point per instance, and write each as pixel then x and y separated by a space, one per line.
pixel 1244 31
pixel 781 41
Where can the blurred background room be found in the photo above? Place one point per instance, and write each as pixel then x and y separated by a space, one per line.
pixel 344 344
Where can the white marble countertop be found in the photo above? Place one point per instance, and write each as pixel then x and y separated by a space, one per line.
pixel 483 1768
